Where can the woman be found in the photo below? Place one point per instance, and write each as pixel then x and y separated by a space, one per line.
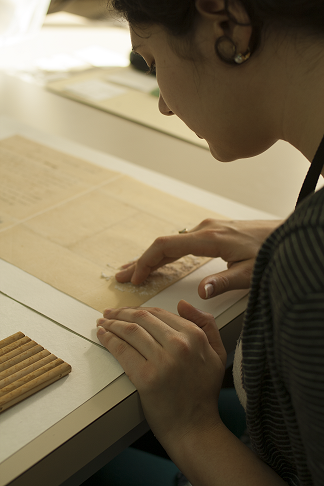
pixel 241 74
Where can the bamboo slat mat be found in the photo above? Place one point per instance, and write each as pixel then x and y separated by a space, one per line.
pixel 26 368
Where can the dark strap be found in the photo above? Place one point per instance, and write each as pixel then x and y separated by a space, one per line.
pixel 313 174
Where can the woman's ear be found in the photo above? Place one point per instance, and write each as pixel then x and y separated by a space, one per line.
pixel 210 9
pixel 229 19
pixel 223 8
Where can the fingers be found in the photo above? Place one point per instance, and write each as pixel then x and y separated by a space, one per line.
pixel 206 223
pixel 138 272
pixel 139 337
pixel 233 241
pixel 207 323
pixel 147 330
pixel 154 257
pixel 128 357
pixel 167 249
pixel 137 325
pixel 125 275
pixel 237 276
pixel 129 264
pixel 164 250
pixel 153 319
pixel 121 335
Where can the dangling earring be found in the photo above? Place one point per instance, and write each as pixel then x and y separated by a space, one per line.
pixel 226 51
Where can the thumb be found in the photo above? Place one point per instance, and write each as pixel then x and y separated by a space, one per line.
pixel 207 323
pixel 237 276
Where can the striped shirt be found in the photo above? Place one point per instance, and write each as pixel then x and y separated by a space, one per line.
pixel 283 348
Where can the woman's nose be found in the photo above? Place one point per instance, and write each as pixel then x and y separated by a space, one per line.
pixel 163 107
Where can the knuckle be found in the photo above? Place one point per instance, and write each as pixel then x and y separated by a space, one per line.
pixel 248 269
pixel 247 277
pixel 207 222
pixel 212 234
pixel 120 348
pixel 199 335
pixel 106 339
pixel 156 311
pixel 247 273
pixel 114 344
pixel 198 338
pixel 161 241
pixel 222 283
pixel 181 345
pixel 115 316
pixel 140 314
pixel 131 328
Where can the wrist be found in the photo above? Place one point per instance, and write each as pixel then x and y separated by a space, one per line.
pixel 212 455
pixel 183 439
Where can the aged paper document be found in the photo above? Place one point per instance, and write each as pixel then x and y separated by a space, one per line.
pixel 72 224
pixel 112 90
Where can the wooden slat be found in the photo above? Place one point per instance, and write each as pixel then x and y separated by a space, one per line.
pixel 12 346
pixel 18 371
pixel 23 364
pixel 11 339
pixel 25 368
pixel 23 355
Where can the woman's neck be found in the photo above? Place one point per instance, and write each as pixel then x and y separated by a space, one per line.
pixel 302 117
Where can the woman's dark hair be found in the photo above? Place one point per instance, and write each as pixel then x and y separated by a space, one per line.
pixel 178 16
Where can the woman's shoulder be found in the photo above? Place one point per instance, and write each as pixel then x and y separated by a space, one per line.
pixel 290 264
pixel 309 213
pixel 288 278
pixel 296 249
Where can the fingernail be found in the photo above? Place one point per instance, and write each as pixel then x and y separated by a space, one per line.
pixel 100 321
pixel 101 330
pixel 209 289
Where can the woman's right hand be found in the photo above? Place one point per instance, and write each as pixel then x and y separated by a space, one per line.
pixel 236 242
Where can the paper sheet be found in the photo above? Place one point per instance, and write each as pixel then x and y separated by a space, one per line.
pixel 81 319
pixel 72 224
pixel 135 104
pixel 133 79
pixel 92 369
pixel 96 90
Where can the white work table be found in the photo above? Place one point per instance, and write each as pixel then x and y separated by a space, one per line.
pixel 111 418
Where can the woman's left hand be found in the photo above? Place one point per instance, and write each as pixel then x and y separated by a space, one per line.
pixel 177 364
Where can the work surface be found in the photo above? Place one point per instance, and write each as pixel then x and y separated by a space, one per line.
pixel 81 407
